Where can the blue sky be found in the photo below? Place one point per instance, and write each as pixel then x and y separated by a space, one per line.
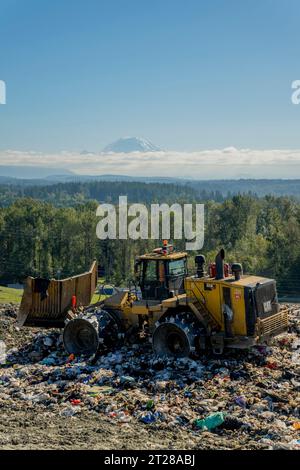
pixel 188 75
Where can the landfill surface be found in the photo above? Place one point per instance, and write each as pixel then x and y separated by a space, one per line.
pixel 130 399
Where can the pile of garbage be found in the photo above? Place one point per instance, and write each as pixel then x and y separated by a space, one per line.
pixel 251 396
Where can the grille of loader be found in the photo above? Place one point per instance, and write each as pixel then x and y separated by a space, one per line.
pixel 274 324
pixel 266 293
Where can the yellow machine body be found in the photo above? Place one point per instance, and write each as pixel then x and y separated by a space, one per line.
pixel 211 293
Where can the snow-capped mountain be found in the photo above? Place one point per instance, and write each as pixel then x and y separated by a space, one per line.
pixel 131 144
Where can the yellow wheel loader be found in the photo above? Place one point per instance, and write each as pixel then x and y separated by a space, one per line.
pixel 182 314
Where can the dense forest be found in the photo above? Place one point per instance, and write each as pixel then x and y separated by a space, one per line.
pixel 57 239
pixel 72 193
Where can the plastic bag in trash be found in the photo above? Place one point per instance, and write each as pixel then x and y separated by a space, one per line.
pixel 211 422
pixel 2 352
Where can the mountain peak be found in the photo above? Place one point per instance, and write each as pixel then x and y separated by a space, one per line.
pixel 131 144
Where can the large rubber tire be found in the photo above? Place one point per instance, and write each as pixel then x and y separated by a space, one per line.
pixel 91 332
pixel 176 336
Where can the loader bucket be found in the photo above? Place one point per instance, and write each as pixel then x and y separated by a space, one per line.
pixel 46 302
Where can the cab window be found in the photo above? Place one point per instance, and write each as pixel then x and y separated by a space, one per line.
pixel 177 267
pixel 150 274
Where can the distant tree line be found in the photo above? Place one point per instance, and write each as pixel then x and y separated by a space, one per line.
pixel 70 194
pixel 74 194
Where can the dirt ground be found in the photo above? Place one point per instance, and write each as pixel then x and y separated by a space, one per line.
pixel 29 424
pixel 26 429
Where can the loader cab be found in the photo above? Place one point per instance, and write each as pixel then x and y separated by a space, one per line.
pixel 161 274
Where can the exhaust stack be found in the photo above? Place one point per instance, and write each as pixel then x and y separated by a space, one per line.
pixel 220 264
pixel 200 263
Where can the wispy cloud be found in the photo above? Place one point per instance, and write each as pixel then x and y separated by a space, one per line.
pixel 219 163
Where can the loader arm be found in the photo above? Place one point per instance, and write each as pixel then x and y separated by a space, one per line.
pixel 46 302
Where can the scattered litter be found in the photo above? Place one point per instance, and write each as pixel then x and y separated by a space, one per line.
pixel 211 422
pixel 2 352
pixel 75 402
pixel 97 390
pixel 248 398
pixel 241 401
pixel 68 412
pixel 151 417
pixel 71 358
pixel 272 365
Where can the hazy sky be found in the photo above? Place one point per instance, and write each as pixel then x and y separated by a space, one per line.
pixel 188 75
pixel 206 164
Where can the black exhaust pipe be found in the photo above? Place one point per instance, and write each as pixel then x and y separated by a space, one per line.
pixel 220 264
pixel 200 263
